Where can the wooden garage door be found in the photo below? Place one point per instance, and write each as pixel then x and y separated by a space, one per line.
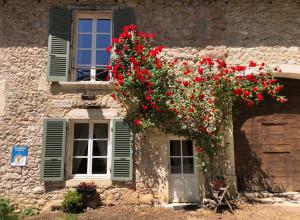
pixel 267 143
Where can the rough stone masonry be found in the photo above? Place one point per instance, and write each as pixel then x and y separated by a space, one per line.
pixel 238 30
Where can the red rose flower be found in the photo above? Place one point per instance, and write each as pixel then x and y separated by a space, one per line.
pixel 115 40
pixel 252 64
pixel 191 109
pixel 187 71
pixel 246 93
pixel 199 149
pixel 108 49
pixel 278 88
pixel 158 64
pixel 137 122
pixel 221 63
pixel 240 68
pixel 250 103
pixel 148 98
pixel 281 100
pixel 259 97
pixel 200 71
pixel 145 107
pixel 237 91
pixel 113 96
pixel 201 97
pixel 169 93
pixel 186 83
pixel 249 77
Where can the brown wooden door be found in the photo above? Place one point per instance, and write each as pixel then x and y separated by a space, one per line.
pixel 267 143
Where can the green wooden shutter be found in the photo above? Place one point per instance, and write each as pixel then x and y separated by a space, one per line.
pixel 122 151
pixel 53 150
pixel 123 17
pixel 59 45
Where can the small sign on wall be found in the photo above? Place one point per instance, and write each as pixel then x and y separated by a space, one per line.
pixel 19 156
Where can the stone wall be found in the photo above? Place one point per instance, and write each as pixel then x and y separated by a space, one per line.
pixel 239 30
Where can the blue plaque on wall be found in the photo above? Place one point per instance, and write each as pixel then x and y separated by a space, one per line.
pixel 19 156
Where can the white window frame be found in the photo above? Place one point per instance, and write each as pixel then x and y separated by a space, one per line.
pixel 181 156
pixel 84 14
pixel 89 175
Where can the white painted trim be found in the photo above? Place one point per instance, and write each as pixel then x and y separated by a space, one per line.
pixel 94 15
pixel 291 71
pixel 195 162
pixel 69 157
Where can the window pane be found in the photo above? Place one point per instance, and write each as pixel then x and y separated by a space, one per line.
pixel 79 166
pixel 187 148
pixel 103 41
pixel 188 165
pixel 99 166
pixel 99 148
pixel 175 148
pixel 102 57
pixel 83 75
pixel 84 41
pixel 84 57
pixel 80 148
pixel 103 26
pixel 102 75
pixel 81 130
pixel 100 130
pixel 85 25
pixel 175 165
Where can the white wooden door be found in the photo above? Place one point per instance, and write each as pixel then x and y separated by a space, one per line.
pixel 183 184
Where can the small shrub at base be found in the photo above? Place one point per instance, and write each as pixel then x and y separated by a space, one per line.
pixel 72 202
pixel 28 212
pixel 5 208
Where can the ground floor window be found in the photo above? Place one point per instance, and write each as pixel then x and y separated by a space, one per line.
pixel 181 156
pixel 90 149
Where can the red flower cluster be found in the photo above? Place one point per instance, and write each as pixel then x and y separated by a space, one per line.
pixel 189 98
pixel 134 71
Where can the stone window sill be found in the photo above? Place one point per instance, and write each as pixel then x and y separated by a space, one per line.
pixel 85 85
pixel 101 183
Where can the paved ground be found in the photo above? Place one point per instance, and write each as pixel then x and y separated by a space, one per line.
pixel 243 212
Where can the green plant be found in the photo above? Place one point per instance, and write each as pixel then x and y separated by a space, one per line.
pixel 5 208
pixel 28 212
pixel 72 202
pixel 191 98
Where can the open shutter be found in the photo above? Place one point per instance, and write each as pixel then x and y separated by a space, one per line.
pixel 123 17
pixel 53 150
pixel 122 151
pixel 59 45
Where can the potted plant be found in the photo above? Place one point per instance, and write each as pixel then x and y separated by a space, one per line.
pixel 217 185
pixel 86 188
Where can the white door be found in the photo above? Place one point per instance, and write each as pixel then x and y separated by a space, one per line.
pixel 183 184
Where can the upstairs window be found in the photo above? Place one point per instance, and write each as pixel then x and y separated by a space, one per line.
pixel 77 42
pixel 93 34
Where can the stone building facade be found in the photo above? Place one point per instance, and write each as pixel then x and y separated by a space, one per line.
pixel 238 31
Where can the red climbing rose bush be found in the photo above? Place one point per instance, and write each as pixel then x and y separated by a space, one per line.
pixel 190 98
pixel 140 78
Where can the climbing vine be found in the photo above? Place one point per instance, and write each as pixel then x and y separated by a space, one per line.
pixel 189 98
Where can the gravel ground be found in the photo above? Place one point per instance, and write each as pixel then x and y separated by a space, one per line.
pixel 243 212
